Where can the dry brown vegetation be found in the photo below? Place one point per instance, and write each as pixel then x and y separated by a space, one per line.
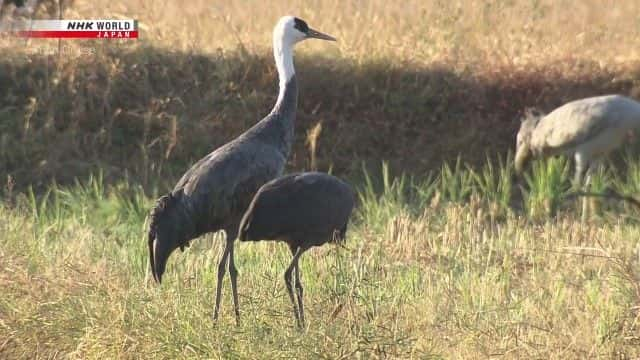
pixel 446 279
pixel 414 84
pixel 441 266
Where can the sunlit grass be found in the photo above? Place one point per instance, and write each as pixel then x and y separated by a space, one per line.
pixel 416 31
pixel 447 264
pixel 547 183
pixel 419 276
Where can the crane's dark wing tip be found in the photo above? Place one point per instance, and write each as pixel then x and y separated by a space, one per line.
pixel 243 231
pixel 245 222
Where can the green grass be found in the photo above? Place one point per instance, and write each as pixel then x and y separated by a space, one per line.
pixel 457 263
pixel 423 274
pixel 548 184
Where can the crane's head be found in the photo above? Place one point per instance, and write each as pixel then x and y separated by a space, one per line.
pixel 291 30
pixel 163 236
pixel 523 139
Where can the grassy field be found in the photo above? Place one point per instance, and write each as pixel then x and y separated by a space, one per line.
pixel 445 261
pixel 414 84
pixel 441 267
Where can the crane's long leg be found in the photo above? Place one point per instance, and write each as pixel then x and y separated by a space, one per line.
pixel 593 167
pixel 582 165
pixel 287 280
pixel 582 168
pixel 300 292
pixel 233 274
pixel 221 270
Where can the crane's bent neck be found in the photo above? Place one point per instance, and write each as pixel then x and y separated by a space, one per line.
pixel 283 54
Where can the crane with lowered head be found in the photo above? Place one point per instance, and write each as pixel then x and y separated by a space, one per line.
pixel 586 129
pixel 214 193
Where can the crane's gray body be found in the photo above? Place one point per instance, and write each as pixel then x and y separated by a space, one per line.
pixel 214 193
pixel 586 129
pixel 217 189
pixel 593 126
pixel 304 210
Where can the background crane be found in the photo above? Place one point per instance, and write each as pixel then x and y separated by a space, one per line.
pixel 303 210
pixel 586 129
pixel 214 193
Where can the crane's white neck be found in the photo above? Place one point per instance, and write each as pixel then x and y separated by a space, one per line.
pixel 283 54
pixel 285 36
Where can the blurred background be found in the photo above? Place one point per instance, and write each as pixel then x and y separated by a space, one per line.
pixel 414 83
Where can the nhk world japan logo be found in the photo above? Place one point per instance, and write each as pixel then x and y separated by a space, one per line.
pixel 72 29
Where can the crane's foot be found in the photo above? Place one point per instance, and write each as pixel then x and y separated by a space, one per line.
pixel 300 323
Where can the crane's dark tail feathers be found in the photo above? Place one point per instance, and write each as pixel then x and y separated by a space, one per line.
pixel 162 205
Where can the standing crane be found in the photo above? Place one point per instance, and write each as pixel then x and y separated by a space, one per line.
pixel 214 193
pixel 587 130
pixel 302 210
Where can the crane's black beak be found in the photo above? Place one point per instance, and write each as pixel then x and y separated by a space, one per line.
pixel 318 35
pixel 158 254
pixel 152 262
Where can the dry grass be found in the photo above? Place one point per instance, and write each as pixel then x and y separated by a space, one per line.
pixel 456 274
pixel 469 33
pixel 414 84
pixel 445 280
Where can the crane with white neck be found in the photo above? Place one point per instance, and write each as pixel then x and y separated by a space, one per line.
pixel 214 193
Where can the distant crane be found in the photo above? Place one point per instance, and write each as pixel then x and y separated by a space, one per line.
pixel 586 129
pixel 302 210
pixel 214 193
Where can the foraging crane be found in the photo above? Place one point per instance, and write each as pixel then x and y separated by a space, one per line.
pixel 303 210
pixel 214 193
pixel 586 129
